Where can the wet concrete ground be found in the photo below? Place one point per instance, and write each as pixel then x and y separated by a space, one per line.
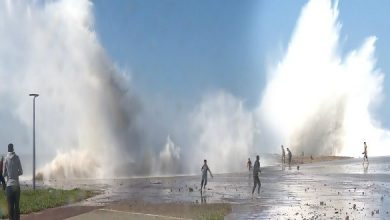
pixel 342 189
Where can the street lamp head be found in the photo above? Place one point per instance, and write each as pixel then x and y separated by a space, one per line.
pixel 35 95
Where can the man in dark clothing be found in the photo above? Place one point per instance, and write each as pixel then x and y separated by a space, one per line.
pixel 12 170
pixel 283 156
pixel 249 164
pixel 365 153
pixel 256 171
pixel 204 170
pixel 289 157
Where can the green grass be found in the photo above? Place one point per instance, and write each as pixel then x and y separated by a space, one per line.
pixel 39 199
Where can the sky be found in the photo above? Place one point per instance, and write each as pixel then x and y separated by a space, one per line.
pixel 182 49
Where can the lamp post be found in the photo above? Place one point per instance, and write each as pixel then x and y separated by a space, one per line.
pixel 35 96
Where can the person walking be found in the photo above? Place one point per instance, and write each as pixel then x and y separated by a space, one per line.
pixel 289 157
pixel 12 170
pixel 365 153
pixel 1 173
pixel 256 171
pixel 283 156
pixel 249 164
pixel 204 170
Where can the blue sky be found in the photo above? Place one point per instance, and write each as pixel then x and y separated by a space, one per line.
pixel 182 49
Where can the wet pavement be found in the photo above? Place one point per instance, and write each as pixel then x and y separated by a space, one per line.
pixel 102 214
pixel 343 189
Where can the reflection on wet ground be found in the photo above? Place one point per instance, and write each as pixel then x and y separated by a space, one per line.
pixel 336 189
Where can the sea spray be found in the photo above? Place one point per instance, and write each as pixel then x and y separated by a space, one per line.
pixel 92 124
pixel 318 101
pixel 85 111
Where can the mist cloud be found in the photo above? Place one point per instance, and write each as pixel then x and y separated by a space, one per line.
pixel 222 131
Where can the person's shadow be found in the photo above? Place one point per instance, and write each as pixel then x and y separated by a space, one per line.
pixel 365 168
pixel 202 197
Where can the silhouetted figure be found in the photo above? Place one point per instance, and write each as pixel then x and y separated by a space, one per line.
pixel 283 156
pixel 365 153
pixel 256 171
pixel 204 170
pixel 249 164
pixel 289 157
pixel 1 173
pixel 12 170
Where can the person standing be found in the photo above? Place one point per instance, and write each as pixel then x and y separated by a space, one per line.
pixel 1 173
pixel 249 164
pixel 256 171
pixel 204 170
pixel 289 157
pixel 12 170
pixel 365 153
pixel 283 156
